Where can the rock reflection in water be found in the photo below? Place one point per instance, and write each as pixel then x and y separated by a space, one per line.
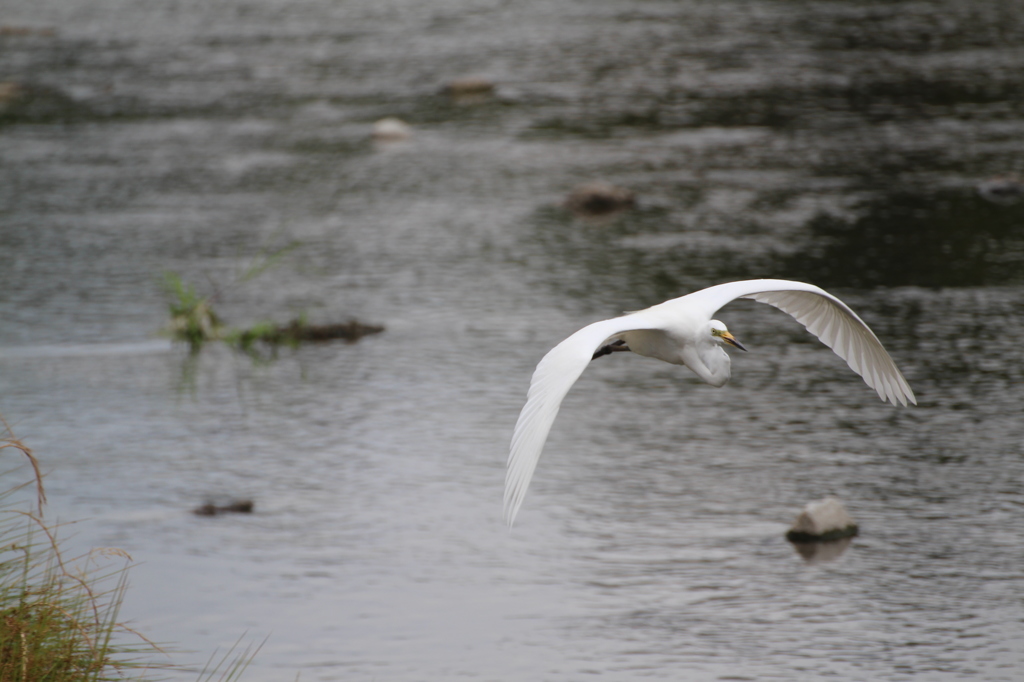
pixel 821 552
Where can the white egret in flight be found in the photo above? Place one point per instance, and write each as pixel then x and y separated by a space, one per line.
pixel 682 332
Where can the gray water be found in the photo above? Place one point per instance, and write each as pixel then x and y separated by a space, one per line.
pixel 835 142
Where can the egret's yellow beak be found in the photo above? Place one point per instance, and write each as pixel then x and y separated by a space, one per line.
pixel 731 340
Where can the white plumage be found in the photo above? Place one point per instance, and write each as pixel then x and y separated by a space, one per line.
pixel 681 331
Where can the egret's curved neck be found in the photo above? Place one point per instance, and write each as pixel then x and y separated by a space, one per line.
pixel 711 363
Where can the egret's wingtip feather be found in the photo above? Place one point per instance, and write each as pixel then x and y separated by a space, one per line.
pixel 842 330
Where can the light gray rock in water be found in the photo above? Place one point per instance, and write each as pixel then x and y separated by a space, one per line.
pixel 391 129
pixel 821 520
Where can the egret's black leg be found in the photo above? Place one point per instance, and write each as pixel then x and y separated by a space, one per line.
pixel 610 348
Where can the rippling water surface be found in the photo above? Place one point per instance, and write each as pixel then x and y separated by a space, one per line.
pixel 837 142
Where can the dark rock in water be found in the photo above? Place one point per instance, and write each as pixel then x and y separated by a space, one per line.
pixel 352 330
pixel 299 331
pixel 821 521
pixel 599 198
pixel 235 507
pixel 207 509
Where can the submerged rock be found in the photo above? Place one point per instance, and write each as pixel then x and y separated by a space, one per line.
pixel 469 85
pixel 298 331
pixel 470 91
pixel 599 198
pixel 22 102
pixel 235 507
pixel 26 31
pixel 821 521
pixel 353 330
pixel 1004 190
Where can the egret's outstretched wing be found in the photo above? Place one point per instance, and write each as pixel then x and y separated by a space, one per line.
pixel 820 312
pixel 826 317
pixel 554 376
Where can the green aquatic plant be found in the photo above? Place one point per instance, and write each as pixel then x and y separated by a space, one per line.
pixel 262 332
pixel 193 320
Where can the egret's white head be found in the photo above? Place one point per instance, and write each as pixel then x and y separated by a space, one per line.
pixel 722 335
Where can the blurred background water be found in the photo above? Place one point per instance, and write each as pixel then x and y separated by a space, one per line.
pixel 837 142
